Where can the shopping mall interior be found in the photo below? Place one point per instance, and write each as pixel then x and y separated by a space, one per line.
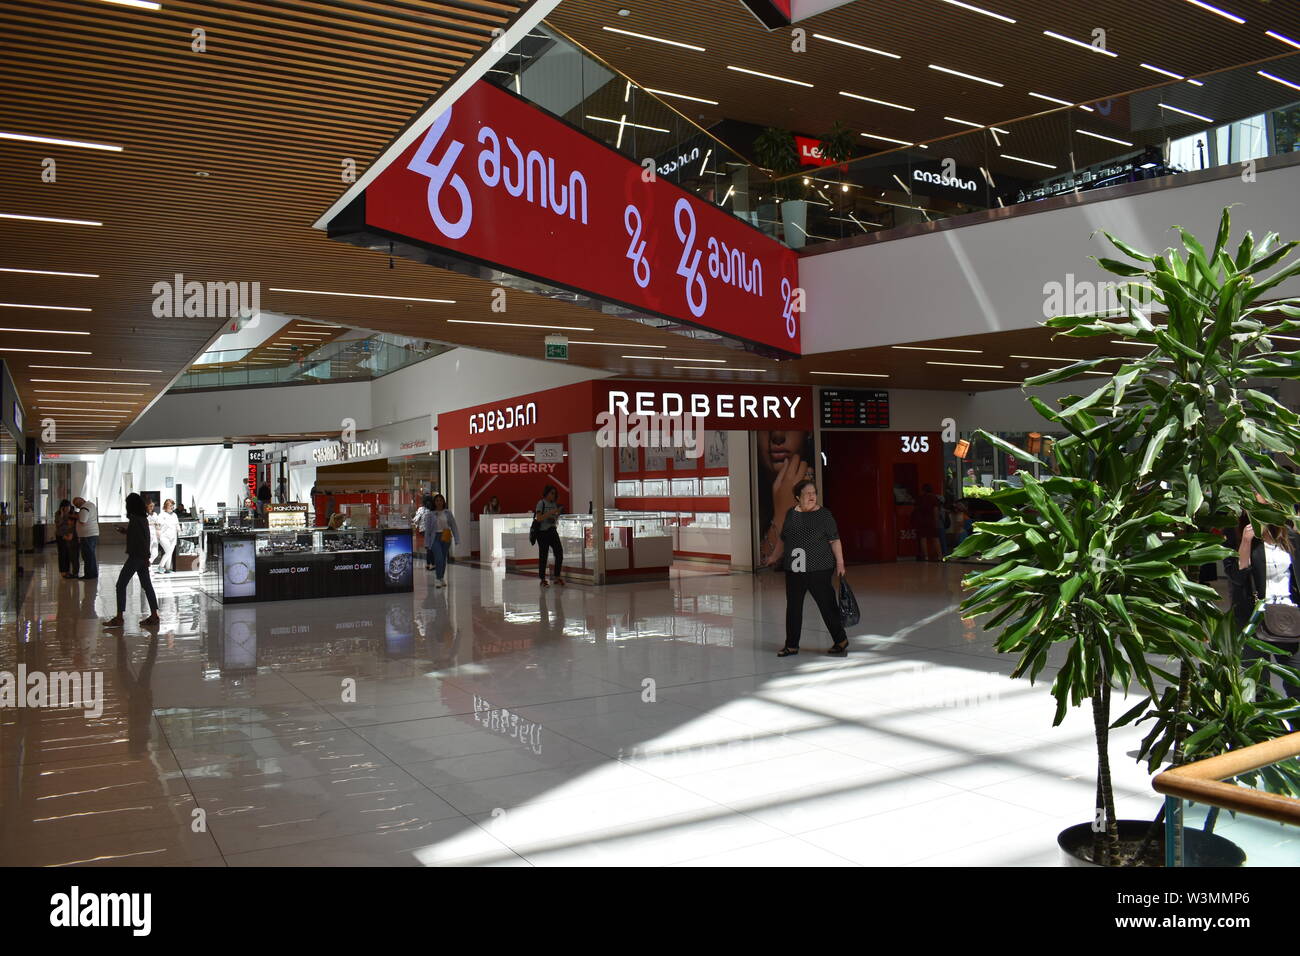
pixel 400 326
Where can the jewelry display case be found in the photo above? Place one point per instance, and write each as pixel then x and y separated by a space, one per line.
pixel 285 565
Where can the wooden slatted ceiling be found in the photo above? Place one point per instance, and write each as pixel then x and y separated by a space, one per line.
pixel 1171 34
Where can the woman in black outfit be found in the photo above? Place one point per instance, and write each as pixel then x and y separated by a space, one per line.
pixel 810 536
pixel 1265 568
pixel 137 561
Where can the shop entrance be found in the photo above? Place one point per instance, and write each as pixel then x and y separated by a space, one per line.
pixel 873 481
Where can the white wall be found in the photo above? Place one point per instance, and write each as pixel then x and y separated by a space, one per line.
pixel 989 277
pixel 213 416
pixel 455 379
pixel 208 474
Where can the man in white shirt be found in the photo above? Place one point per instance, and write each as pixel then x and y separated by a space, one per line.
pixel 88 536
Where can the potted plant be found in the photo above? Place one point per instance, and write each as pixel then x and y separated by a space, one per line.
pixel 836 145
pixel 1175 442
pixel 774 149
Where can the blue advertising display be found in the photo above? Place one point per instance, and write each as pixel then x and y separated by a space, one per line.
pixel 397 560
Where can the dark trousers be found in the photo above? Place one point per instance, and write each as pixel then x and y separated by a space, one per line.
pixel 436 555
pixel 69 557
pixel 549 540
pixel 1288 654
pixel 134 566
pixel 818 584
pixel 88 548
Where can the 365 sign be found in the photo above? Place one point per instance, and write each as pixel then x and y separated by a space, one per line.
pixel 498 181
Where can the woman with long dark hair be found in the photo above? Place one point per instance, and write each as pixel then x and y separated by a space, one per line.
pixel 65 533
pixel 811 542
pixel 137 561
pixel 1265 569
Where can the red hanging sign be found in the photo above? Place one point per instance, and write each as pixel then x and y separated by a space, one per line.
pixel 498 181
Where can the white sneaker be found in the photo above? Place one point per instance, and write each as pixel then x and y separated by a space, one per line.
pixel 441 584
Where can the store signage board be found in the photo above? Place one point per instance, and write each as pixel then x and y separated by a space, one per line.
pixel 497 181
pixel 549 453
pixel 575 408
pixel 809 152
pixel 854 408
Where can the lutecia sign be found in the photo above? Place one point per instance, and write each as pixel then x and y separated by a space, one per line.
pixel 498 182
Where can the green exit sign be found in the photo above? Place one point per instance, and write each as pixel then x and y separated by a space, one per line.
pixel 557 347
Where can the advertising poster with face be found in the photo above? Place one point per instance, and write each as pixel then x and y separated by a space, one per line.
pixel 627 461
pixel 785 458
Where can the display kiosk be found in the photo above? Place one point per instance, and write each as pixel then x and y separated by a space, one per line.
pixel 299 565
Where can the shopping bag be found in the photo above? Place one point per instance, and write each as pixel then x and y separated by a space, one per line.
pixel 849 611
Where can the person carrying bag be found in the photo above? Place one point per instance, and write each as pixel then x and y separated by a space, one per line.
pixel 1265 569
pixel 811 541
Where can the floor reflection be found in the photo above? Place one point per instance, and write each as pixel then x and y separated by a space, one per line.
pixel 495 722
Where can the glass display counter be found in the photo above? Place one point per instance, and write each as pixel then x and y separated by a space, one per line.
pixel 191 554
pixel 297 565
pixel 636 543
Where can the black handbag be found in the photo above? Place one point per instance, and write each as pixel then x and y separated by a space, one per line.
pixel 532 531
pixel 850 614
pixel 1282 621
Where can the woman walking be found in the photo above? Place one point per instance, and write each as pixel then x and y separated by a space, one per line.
pixel 439 532
pixel 65 532
pixel 137 561
pixel 548 537
pixel 812 541
pixel 168 529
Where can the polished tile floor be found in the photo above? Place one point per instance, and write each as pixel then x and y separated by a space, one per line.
pixel 494 723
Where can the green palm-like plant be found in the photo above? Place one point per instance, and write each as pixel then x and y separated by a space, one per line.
pixel 775 150
pixel 1176 442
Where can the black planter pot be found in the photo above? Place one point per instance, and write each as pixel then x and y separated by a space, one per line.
pixel 1200 849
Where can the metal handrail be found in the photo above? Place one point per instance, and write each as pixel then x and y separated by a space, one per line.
pixel 1203 781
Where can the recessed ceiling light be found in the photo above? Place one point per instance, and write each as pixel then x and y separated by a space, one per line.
pixel 621 345
pixel 682 96
pixel 77 381
pixel 46 272
pixel 953 119
pixel 1086 46
pixel 965 364
pixel 1156 69
pixel 1278 36
pixel 1166 106
pixel 992 381
pixel 79 392
pixel 1278 79
pixel 140 4
pixel 1031 162
pixel 66 222
pixel 1223 13
pixel 852 374
pixel 1051 99
pixel 646 36
pixel 47 331
pixel 1111 139
pixel 887 139
pixel 624 13
pixel 770 76
pixel 1048 358
pixel 857 46
pixel 55 141
pixel 935 348
pixel 624 122
pixel 868 99
pixel 679 358
pixel 522 325
pixel 95 368
pixel 366 295
pixel 974 9
pixel 51 308
pixel 967 76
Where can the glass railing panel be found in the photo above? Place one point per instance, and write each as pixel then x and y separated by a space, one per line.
pixel 1197 835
